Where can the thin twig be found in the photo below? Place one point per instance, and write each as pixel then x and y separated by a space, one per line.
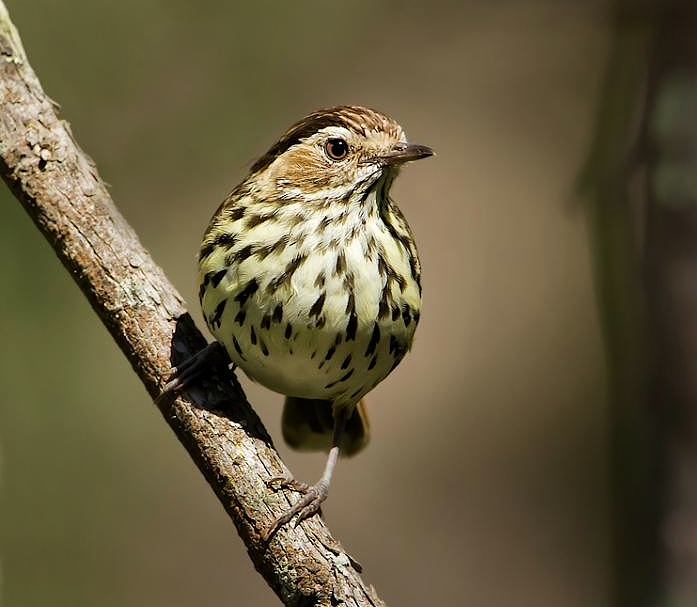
pixel 59 187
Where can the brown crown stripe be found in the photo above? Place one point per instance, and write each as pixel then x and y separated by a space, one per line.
pixel 358 119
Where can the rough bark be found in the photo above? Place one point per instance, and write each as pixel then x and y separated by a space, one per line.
pixel 60 188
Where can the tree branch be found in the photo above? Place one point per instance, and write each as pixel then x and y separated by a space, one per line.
pixel 59 187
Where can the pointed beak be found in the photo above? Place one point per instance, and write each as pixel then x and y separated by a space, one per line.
pixel 406 152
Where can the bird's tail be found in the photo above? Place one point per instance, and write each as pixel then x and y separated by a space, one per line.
pixel 308 425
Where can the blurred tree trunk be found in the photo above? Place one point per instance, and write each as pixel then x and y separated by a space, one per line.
pixel 643 219
pixel 670 132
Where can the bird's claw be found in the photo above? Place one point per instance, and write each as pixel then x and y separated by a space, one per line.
pixel 184 374
pixel 308 505
pixel 283 482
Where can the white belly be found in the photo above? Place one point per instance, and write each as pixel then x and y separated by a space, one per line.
pixel 283 337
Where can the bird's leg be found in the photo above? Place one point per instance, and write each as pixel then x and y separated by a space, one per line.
pixel 310 503
pixel 188 371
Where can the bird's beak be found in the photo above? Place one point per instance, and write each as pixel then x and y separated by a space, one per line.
pixel 405 152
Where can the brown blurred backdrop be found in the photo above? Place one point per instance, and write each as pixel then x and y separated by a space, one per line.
pixel 486 479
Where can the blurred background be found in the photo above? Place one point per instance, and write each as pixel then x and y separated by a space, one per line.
pixel 487 478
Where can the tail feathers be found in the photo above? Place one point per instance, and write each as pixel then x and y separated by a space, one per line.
pixel 308 425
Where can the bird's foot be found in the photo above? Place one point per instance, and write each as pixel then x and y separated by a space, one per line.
pixel 186 373
pixel 308 505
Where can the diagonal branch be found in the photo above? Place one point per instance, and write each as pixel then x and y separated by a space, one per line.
pixel 59 187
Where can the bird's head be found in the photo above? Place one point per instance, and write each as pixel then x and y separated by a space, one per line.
pixel 335 153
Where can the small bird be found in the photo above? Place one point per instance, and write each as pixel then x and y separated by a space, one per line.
pixel 310 278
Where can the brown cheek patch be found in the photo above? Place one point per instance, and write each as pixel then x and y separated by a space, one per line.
pixel 310 170
pixel 305 168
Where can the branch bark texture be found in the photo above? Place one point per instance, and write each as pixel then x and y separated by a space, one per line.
pixel 60 188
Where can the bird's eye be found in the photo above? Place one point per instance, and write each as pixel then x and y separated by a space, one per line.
pixel 336 148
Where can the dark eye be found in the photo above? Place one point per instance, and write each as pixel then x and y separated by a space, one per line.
pixel 336 148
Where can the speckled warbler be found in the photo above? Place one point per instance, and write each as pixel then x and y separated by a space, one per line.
pixel 310 278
